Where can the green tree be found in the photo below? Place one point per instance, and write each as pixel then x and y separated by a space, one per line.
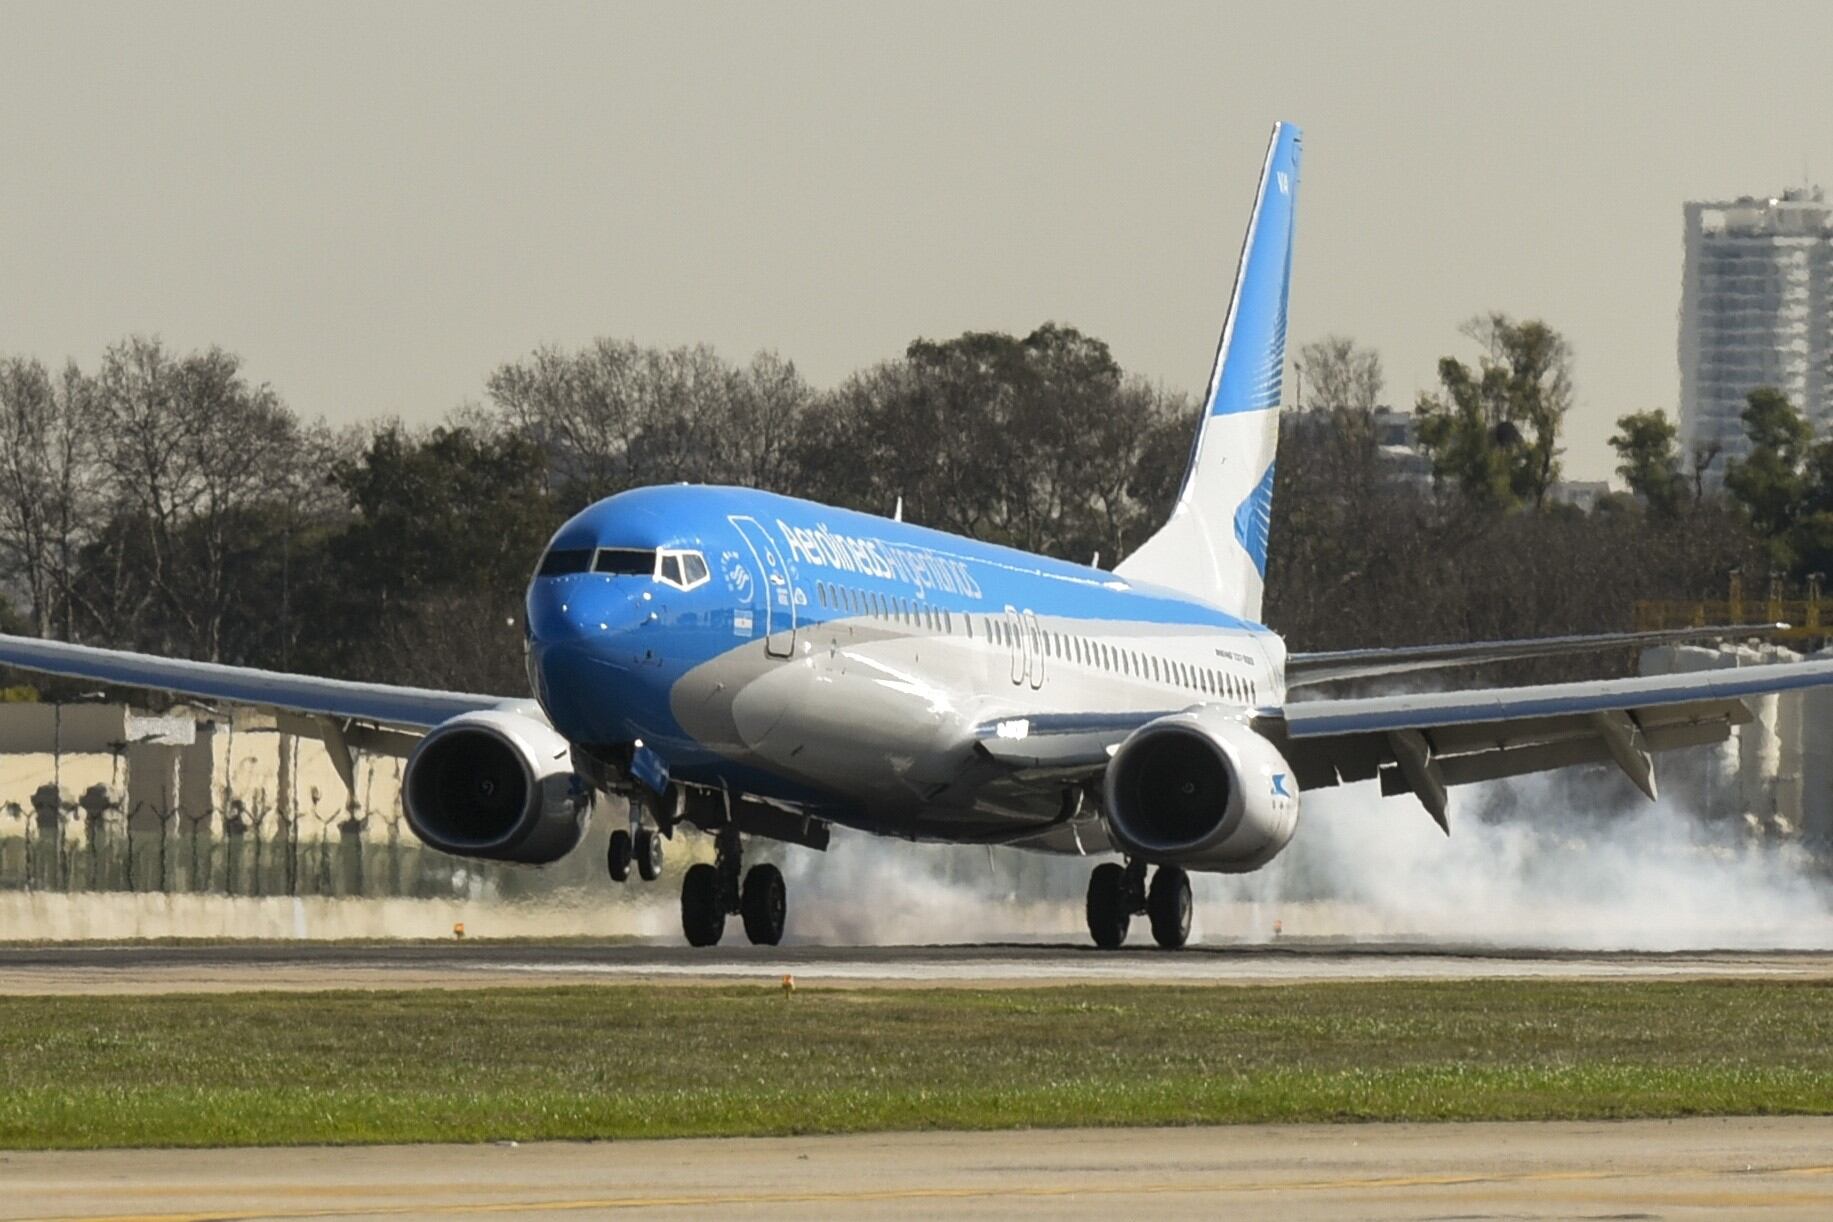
pixel 1041 442
pixel 446 530
pixel 1769 481
pixel 1648 459
pixel 1493 431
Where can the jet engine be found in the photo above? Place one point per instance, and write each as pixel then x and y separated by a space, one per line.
pixel 1200 789
pixel 496 784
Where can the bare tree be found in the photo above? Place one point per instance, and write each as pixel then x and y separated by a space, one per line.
pixel 193 451
pixel 1336 373
pixel 50 502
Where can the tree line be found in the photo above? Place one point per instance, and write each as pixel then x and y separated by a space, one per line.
pixel 167 501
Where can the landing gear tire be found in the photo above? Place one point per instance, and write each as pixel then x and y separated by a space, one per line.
pixel 1109 914
pixel 617 857
pixel 764 905
pixel 703 917
pixel 1168 907
pixel 648 854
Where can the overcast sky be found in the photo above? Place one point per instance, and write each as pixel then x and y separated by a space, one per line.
pixel 376 204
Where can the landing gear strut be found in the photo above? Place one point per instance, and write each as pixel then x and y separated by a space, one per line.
pixel 1116 893
pixel 711 893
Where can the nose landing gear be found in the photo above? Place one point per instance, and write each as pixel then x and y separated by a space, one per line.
pixel 1116 893
pixel 640 845
pixel 711 893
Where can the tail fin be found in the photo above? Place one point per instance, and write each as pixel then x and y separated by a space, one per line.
pixel 1215 545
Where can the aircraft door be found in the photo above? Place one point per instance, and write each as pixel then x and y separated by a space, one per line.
pixel 775 596
pixel 1015 638
pixel 1034 646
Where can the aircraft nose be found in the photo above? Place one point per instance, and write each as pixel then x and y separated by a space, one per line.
pixel 582 611
pixel 585 651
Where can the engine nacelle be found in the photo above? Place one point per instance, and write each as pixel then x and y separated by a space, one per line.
pixel 1201 789
pixel 496 784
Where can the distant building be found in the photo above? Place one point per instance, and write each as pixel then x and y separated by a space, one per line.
pixel 1581 493
pixel 1756 309
pixel 1398 438
pixel 1395 438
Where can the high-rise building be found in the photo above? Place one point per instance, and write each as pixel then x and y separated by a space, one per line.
pixel 1756 309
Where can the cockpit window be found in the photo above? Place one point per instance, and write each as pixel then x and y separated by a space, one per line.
pixel 560 561
pixel 625 562
pixel 682 569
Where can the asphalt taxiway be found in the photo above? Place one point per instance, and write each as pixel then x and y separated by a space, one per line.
pixel 1773 1167
pixel 144 968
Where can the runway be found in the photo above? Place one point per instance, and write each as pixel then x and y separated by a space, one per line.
pixel 1779 1167
pixel 229 967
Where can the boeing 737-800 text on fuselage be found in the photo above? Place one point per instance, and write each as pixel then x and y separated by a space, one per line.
pixel 750 664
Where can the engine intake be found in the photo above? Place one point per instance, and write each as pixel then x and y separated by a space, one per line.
pixel 496 784
pixel 1201 789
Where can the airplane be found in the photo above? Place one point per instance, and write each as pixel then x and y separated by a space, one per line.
pixel 751 665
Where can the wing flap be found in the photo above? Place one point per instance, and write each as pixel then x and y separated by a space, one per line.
pixel 1305 669
pixel 1424 744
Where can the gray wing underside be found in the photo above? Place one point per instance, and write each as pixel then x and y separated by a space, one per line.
pixel 378 704
pixel 1425 744
pixel 1307 669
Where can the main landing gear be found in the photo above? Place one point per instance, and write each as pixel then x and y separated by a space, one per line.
pixel 1117 892
pixel 711 893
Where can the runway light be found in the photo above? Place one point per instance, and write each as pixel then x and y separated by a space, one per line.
pixel 789 984
pixel 458 929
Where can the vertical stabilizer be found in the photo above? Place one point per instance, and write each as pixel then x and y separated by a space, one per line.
pixel 1215 545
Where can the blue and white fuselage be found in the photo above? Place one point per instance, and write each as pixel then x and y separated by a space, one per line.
pixel 851 663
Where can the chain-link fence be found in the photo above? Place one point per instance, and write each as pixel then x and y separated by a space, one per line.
pixel 56 843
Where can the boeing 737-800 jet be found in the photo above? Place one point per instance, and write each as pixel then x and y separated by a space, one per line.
pixel 749 664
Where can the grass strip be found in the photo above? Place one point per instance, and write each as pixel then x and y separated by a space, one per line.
pixel 660 1061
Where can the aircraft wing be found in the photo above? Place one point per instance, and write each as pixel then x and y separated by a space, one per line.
pixel 379 704
pixel 1304 669
pixel 1424 744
